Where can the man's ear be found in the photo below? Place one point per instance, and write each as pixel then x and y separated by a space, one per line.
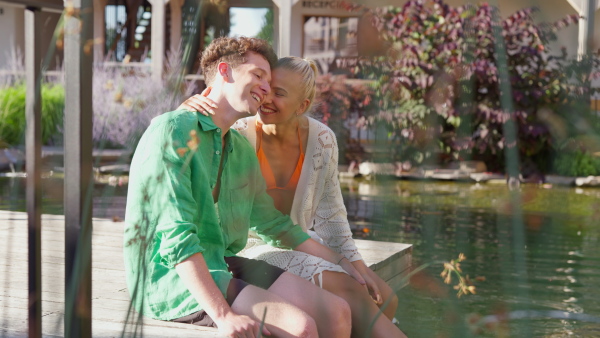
pixel 223 70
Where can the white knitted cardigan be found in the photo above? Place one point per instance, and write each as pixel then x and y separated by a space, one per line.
pixel 318 206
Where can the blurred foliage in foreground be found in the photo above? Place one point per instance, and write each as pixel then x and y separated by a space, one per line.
pixel 435 88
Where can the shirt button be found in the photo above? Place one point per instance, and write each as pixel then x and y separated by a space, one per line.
pixel 218 130
pixel 217 152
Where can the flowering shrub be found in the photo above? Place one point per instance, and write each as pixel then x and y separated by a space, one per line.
pixel 336 98
pixel 125 100
pixel 437 86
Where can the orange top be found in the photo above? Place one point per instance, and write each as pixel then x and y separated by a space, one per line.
pixel 276 192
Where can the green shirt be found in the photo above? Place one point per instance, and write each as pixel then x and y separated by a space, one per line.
pixel 171 214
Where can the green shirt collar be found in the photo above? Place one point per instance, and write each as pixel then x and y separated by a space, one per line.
pixel 207 124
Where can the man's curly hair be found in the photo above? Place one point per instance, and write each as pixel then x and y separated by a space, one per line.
pixel 233 51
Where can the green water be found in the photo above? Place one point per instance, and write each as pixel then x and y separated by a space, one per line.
pixel 537 249
pixel 541 254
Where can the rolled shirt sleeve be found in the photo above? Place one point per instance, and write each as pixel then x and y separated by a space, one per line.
pixel 175 230
pixel 178 243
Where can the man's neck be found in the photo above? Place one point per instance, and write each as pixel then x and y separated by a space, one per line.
pixel 225 116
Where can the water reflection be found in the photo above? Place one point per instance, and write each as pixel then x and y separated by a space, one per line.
pixel 560 256
pixel 108 201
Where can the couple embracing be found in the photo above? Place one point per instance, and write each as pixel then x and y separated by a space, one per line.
pixel 223 227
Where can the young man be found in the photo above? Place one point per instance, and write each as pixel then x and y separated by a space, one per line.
pixel 195 187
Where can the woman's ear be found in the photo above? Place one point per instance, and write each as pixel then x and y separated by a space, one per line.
pixel 303 106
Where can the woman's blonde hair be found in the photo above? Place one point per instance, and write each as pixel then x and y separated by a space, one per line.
pixel 308 69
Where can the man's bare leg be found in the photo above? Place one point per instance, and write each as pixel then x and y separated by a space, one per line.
pixel 282 318
pixel 331 313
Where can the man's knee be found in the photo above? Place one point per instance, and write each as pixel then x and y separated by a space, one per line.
pixel 341 314
pixel 304 327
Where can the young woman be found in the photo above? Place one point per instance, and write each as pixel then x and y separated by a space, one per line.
pixel 298 157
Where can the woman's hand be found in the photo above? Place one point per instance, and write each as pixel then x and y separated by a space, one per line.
pixel 372 287
pixel 200 103
pixel 351 270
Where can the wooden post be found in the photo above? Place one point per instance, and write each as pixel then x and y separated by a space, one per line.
pixel 78 167
pixel 591 17
pixel 284 26
pixel 586 10
pixel 157 44
pixel 176 24
pixel 33 144
pixel 99 30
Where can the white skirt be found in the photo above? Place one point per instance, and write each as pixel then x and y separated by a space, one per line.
pixel 296 262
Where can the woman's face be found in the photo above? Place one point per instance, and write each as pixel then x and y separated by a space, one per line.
pixel 285 99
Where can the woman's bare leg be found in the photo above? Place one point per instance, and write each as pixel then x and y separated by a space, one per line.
pixel 282 318
pixel 331 313
pixel 388 295
pixel 363 308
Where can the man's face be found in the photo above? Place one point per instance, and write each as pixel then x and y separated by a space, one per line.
pixel 249 85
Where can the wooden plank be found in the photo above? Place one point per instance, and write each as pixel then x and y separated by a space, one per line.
pixel 51 228
pixel 377 253
pixel 116 298
pixel 56 222
pixel 102 262
pixel 54 246
pixel 111 300
pixel 399 281
pixel 52 277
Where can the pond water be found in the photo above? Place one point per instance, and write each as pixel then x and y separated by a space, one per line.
pixel 534 249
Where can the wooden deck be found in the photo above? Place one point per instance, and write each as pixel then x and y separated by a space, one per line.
pixel 110 297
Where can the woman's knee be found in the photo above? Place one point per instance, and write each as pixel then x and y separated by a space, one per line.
pixel 391 302
pixel 389 297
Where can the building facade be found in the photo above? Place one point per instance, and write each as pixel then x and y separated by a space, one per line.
pixel 321 29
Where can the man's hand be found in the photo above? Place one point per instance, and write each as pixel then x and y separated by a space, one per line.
pixel 239 326
pixel 195 275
